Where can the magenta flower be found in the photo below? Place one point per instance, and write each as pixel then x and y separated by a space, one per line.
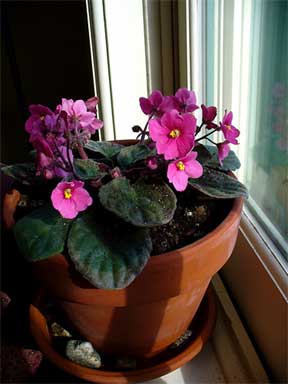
pixel 34 124
pixel 230 132
pixel 156 104
pixel 181 169
pixel 223 150
pixel 208 115
pixel 185 100
pixel 78 114
pixel 91 104
pixel 70 198
pixel 41 145
pixel 152 163
pixel 174 134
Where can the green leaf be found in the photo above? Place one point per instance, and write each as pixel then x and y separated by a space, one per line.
pixel 219 185
pixel 89 169
pixel 105 148
pixel 41 234
pixel 143 204
pixel 133 153
pixel 25 172
pixel 203 153
pixel 230 163
pixel 108 256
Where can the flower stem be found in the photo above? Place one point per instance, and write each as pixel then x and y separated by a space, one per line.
pixel 144 132
pixel 82 153
pixel 60 155
pixel 208 134
pixel 198 129
pixel 68 155
pixel 211 141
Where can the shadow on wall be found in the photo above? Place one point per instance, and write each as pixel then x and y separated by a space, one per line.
pixel 45 56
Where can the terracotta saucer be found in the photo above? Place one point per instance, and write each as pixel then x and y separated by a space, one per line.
pixel 165 362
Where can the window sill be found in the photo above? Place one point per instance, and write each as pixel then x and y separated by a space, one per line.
pixel 228 357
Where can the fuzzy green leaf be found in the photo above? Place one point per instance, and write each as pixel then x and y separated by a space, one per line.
pixel 219 185
pixel 144 204
pixel 104 148
pixel 108 256
pixel 25 172
pixel 133 153
pixel 203 153
pixel 89 169
pixel 230 163
pixel 41 234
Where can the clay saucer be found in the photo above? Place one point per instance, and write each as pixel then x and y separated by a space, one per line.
pixel 167 361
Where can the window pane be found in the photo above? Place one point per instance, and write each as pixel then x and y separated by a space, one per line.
pixel 266 164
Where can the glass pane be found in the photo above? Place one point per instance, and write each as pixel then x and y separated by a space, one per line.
pixel 266 165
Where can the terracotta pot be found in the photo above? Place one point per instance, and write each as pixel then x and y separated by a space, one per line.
pixel 144 318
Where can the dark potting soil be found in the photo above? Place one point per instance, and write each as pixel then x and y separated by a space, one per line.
pixel 196 215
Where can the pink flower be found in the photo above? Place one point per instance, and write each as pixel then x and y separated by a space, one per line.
pixel 70 198
pixel 181 169
pixel 174 134
pixel 156 104
pixel 91 104
pixel 229 131
pixel 223 150
pixel 184 100
pixel 209 114
pixel 34 124
pixel 77 112
pixel 152 163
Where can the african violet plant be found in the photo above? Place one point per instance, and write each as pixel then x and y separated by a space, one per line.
pixel 102 207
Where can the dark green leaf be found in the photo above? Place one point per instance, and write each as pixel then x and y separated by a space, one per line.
pixel 25 172
pixel 105 148
pixel 41 234
pixel 143 204
pixel 133 153
pixel 89 169
pixel 109 258
pixel 230 163
pixel 219 185
pixel 203 154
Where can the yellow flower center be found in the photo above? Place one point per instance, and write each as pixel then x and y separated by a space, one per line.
pixel 175 133
pixel 42 118
pixel 67 193
pixel 228 126
pixel 180 166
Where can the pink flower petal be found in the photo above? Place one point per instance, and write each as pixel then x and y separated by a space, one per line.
pixel 191 156
pixel 96 124
pixel 178 178
pixel 184 145
pixel 171 120
pixel 170 150
pixel 189 124
pixel 67 106
pixel 86 119
pixel 193 169
pixel 157 130
pixel 67 209
pixel 171 171
pixel 156 98
pixel 81 199
pixel 146 105
pixel 79 107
